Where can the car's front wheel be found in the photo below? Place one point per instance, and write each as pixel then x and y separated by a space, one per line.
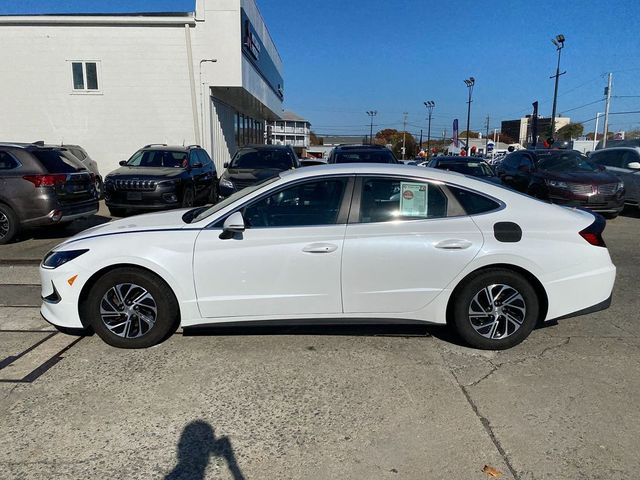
pixel 131 308
pixel 495 309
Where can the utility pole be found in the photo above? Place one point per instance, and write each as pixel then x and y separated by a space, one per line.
pixel 607 92
pixel 559 43
pixel 371 113
pixel 420 149
pixel 486 138
pixel 495 143
pixel 404 134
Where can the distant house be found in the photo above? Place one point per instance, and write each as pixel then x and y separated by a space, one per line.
pixel 292 130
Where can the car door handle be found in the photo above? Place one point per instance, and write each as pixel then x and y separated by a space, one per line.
pixel 320 248
pixel 453 244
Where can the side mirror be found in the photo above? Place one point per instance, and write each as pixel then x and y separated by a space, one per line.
pixel 122 163
pixel 226 165
pixel 634 165
pixel 234 223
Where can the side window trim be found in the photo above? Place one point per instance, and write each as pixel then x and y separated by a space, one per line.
pixel 17 163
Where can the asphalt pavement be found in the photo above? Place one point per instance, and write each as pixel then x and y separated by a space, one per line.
pixel 359 402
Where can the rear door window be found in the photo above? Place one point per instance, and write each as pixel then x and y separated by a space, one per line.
pixel 511 162
pixel 389 199
pixel 54 161
pixel 610 158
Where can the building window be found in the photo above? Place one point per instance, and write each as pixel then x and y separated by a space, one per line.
pixel 85 76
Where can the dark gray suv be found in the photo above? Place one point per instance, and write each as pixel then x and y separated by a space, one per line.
pixel 42 186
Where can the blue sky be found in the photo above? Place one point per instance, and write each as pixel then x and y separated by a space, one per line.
pixel 345 57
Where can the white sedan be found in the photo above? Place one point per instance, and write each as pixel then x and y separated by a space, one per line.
pixel 334 244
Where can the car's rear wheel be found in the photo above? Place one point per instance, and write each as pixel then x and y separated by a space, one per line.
pixel 131 308
pixel 9 225
pixel 495 309
pixel 213 193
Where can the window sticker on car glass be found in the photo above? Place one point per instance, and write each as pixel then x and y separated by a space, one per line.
pixel 413 199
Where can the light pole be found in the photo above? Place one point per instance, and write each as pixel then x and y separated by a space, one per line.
pixel 371 113
pixel 595 133
pixel 429 104
pixel 470 82
pixel 559 43
pixel 202 116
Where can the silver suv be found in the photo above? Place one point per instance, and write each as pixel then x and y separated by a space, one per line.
pixel 42 186
pixel 623 162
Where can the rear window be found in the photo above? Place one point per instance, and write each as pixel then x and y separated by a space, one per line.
pixel 54 161
pixel 252 158
pixel 473 203
pixel 77 153
pixel 365 156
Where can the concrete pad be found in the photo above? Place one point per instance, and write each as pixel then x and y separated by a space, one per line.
pixel 19 275
pixel 20 296
pixel 23 319
pixel 569 414
pixel 13 344
pixel 22 367
pixel 285 406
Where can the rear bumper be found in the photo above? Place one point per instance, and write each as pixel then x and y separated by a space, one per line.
pixel 598 307
pixel 69 213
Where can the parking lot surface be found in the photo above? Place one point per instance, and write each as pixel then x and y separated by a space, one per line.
pixel 321 402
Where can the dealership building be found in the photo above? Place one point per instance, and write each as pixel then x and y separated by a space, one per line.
pixel 114 83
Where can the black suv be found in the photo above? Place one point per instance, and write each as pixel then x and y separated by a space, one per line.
pixel 159 177
pixel 42 186
pixel 565 177
pixel 362 154
pixel 255 163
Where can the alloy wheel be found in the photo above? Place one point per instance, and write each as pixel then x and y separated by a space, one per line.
pixel 128 310
pixel 497 311
pixel 4 225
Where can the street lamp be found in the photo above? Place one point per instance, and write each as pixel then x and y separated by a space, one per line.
pixel 371 113
pixel 469 82
pixel 559 43
pixel 429 104
pixel 202 95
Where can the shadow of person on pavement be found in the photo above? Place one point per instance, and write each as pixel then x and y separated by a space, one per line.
pixel 196 446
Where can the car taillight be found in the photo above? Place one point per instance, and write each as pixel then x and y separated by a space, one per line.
pixel 593 233
pixel 46 180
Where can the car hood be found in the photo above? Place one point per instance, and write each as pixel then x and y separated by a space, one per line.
pixel 255 174
pixel 169 220
pixel 145 172
pixel 596 178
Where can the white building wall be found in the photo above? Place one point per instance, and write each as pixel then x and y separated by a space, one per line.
pixel 144 82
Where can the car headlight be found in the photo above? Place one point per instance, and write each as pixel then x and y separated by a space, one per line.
pixel 556 184
pixel 55 259
pixel 225 182
pixel 620 186
pixel 168 183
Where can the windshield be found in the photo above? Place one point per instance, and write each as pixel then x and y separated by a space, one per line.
pixel 365 156
pixel 158 158
pixel 252 158
pixel 201 215
pixel 475 169
pixel 566 162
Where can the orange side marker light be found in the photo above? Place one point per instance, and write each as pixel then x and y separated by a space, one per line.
pixel 71 280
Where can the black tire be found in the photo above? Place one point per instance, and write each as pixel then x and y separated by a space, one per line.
pixel 188 197
pixel 213 194
pixel 117 212
pixel 9 225
pixel 166 318
pixel 508 315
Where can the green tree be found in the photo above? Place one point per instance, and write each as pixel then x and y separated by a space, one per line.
pixel 463 135
pixel 393 137
pixel 314 139
pixel 572 130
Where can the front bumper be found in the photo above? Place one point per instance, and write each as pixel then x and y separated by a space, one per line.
pixel 162 198
pixel 610 204
pixel 60 299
